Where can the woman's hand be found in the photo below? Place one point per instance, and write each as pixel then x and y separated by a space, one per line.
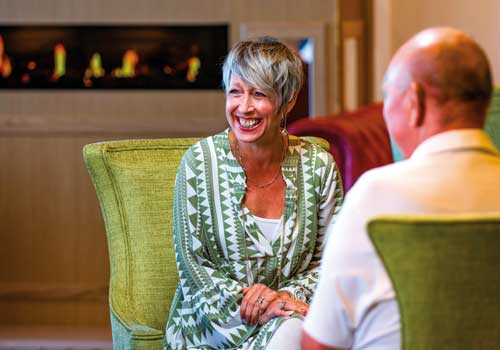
pixel 261 304
pixel 283 306
pixel 256 300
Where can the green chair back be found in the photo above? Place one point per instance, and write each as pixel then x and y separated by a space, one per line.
pixel 446 275
pixel 492 126
pixel 134 181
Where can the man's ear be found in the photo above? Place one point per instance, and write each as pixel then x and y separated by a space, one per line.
pixel 416 101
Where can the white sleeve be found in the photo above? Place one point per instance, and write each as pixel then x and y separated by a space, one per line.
pixel 352 278
pixel 329 319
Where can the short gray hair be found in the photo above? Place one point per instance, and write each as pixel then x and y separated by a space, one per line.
pixel 266 64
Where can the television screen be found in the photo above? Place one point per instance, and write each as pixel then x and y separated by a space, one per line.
pixel 112 57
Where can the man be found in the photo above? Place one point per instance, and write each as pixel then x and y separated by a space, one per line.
pixel 437 90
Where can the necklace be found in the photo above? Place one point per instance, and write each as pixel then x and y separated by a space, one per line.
pixel 240 160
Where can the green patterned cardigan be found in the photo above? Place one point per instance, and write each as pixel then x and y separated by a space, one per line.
pixel 219 247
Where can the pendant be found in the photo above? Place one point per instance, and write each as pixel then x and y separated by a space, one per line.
pixel 249 273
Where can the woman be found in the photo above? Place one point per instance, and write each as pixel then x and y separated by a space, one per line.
pixel 250 210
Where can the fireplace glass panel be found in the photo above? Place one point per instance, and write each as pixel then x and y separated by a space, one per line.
pixel 112 57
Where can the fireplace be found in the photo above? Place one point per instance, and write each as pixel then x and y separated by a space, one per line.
pixel 112 57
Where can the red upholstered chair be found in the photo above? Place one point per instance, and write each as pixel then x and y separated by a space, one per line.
pixel 359 140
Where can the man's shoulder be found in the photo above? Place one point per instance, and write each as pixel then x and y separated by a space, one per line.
pixel 380 189
pixel 386 174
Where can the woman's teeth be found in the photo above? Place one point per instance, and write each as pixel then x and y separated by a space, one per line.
pixel 248 123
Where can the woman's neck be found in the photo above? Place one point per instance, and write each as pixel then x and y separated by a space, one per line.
pixel 259 155
pixel 265 184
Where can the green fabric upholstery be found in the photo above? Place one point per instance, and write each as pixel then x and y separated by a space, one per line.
pixel 134 181
pixel 445 271
pixel 492 126
pixel 317 140
pixel 133 336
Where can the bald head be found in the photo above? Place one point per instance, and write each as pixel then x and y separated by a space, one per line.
pixel 448 63
pixel 439 80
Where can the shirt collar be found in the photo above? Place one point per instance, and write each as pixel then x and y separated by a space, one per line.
pixel 454 139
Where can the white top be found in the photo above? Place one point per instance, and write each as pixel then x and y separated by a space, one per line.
pixel 268 227
pixel 354 304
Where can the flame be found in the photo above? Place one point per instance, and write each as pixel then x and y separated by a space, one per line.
pixel 5 64
pixel 94 70
pixel 129 62
pixel 194 65
pixel 59 62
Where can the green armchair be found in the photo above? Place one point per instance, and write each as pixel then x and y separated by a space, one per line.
pixel 445 272
pixel 134 181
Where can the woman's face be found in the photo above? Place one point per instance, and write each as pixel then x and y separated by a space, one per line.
pixel 250 112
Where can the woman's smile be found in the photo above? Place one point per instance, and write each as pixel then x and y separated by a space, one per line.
pixel 247 123
pixel 251 112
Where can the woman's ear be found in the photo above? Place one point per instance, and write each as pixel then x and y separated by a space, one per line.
pixel 291 104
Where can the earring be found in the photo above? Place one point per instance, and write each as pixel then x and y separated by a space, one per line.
pixel 284 132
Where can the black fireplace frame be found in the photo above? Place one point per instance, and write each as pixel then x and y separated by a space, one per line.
pixel 164 52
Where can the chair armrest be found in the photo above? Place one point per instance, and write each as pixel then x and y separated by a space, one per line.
pixel 130 335
pixel 318 141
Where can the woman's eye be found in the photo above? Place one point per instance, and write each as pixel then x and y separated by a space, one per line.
pixel 260 94
pixel 233 91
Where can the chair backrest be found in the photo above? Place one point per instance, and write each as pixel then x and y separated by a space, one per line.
pixel 358 140
pixel 492 126
pixel 445 271
pixel 134 181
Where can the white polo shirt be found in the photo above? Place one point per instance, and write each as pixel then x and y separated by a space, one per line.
pixel 354 304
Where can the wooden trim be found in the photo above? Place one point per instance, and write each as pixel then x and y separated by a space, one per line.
pixel 353 44
pixel 352 28
pixel 47 292
pixel 74 112
pixel 368 65
pixel 382 43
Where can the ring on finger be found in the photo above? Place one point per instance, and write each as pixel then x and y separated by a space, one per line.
pixel 282 305
pixel 260 299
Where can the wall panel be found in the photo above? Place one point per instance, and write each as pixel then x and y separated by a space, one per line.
pixel 53 256
pixel 396 21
